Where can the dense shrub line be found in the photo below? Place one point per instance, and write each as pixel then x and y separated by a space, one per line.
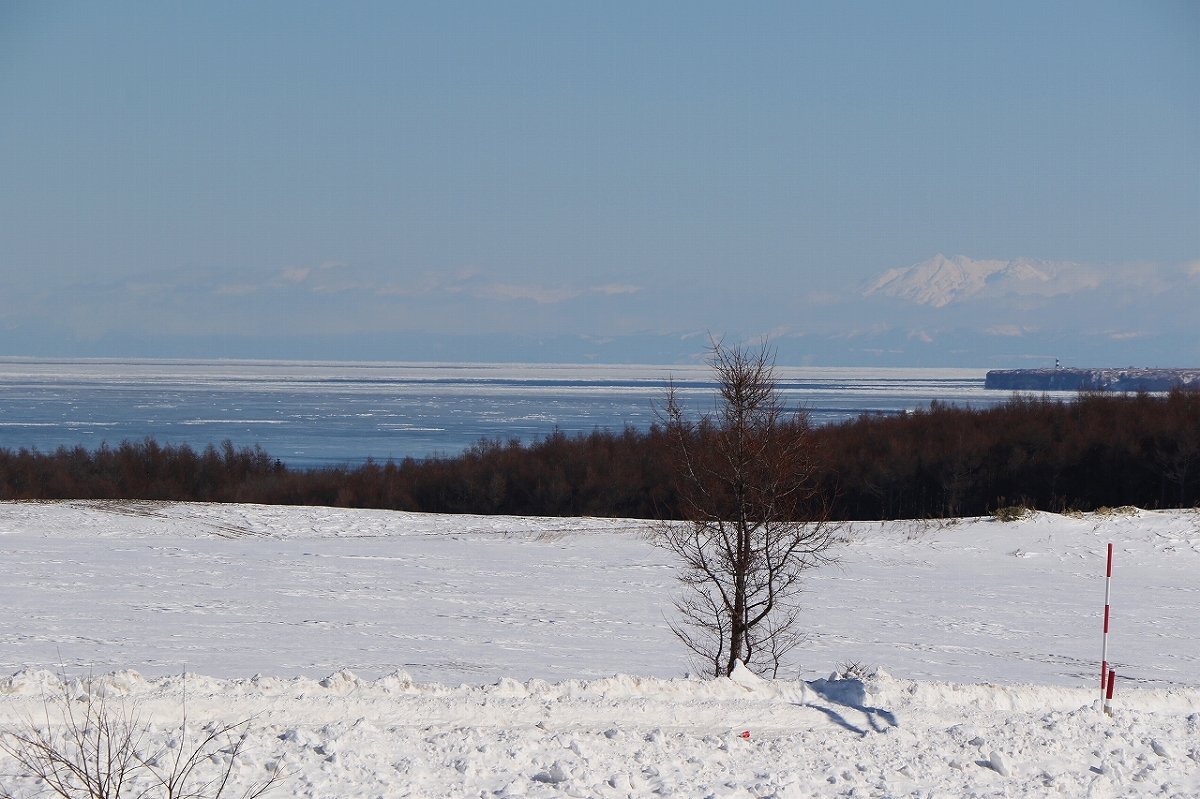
pixel 1100 449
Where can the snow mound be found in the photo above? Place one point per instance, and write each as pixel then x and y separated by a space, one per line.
pixel 875 735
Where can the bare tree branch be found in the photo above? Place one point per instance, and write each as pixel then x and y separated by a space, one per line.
pixel 754 516
pixel 88 748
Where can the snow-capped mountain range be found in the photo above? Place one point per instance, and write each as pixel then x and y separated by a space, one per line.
pixel 940 281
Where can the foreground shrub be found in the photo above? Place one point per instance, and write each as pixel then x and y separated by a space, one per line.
pixel 84 747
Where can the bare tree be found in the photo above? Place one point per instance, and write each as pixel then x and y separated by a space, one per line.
pixel 754 516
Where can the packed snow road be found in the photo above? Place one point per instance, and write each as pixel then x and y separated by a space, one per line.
pixel 991 630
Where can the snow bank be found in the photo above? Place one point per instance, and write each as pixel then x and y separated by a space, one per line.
pixel 629 736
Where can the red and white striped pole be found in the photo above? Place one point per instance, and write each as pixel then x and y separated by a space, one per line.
pixel 1104 678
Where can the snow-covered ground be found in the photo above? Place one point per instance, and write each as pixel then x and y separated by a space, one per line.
pixel 989 634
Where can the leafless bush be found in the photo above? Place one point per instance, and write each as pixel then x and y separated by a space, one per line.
pixel 854 670
pixel 1123 510
pixel 1011 513
pixel 86 747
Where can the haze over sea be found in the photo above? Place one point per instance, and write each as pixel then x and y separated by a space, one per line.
pixel 317 413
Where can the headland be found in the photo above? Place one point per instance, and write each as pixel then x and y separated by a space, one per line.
pixel 1064 379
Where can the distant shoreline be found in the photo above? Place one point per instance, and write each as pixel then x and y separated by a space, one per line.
pixel 1063 379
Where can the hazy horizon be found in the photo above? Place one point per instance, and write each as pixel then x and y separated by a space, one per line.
pixel 878 185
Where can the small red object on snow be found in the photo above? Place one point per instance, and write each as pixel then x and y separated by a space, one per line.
pixel 746 734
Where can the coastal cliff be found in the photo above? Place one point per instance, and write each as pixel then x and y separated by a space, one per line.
pixel 1060 379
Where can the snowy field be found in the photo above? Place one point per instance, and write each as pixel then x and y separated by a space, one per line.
pixel 485 650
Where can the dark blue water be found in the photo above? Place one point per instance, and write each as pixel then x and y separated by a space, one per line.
pixel 320 413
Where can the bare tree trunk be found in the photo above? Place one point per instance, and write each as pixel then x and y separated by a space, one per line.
pixel 754 516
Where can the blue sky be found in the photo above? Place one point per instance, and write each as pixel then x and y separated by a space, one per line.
pixel 611 182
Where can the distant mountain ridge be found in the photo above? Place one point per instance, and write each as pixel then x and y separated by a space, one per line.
pixel 940 281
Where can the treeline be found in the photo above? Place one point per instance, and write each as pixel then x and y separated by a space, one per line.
pixel 1099 449
pixel 1102 449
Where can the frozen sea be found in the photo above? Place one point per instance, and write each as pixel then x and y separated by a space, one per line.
pixel 314 413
